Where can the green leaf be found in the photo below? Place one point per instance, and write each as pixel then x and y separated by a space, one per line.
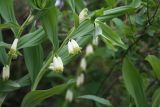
pixel 31 39
pixel 34 98
pixel 155 62
pixel 24 81
pixel 85 28
pixel 33 59
pixel 4 45
pixel 8 25
pixel 9 85
pixel 133 83
pixel 106 32
pixel 49 21
pixel 7 12
pixel 118 11
pixel 3 54
pixel 72 5
pixel 2 98
pixel 136 3
pixel 156 98
pixel 96 99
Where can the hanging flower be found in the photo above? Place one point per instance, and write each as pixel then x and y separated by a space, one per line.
pixel 69 95
pixel 80 80
pixel 13 51
pixel 14 45
pixel 73 47
pixel 83 64
pixel 89 50
pixel 83 15
pixel 6 72
pixel 57 64
pixel 95 41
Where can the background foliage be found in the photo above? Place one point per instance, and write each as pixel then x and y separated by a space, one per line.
pixel 123 71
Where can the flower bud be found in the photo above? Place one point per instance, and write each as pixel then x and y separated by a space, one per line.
pixel 14 45
pixel 6 72
pixel 69 95
pixel 80 80
pixel 56 65
pixel 95 41
pixel 59 3
pixel 83 15
pixel 73 47
pixel 89 50
pixel 13 51
pixel 83 64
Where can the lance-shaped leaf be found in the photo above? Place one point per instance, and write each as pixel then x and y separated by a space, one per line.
pixel 33 59
pixel 9 85
pixel 2 98
pixel 49 21
pixel 96 99
pixel 7 12
pixel 133 83
pixel 3 54
pixel 118 11
pixel 34 98
pixel 155 62
pixel 31 39
pixel 107 33
pixel 156 98
pixel 72 5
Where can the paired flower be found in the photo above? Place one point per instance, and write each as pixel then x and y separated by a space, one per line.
pixel 6 72
pixel 69 95
pixel 83 64
pixel 73 47
pixel 80 80
pixel 57 64
pixel 89 50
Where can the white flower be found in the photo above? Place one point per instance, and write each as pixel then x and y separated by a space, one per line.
pixel 56 65
pixel 83 64
pixel 83 15
pixel 6 72
pixel 95 41
pixel 58 3
pixel 14 44
pixel 89 50
pixel 80 80
pixel 69 95
pixel 73 47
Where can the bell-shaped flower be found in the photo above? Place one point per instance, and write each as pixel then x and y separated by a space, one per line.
pixel 83 15
pixel 14 45
pixel 13 51
pixel 83 64
pixel 6 72
pixel 69 95
pixel 73 47
pixel 57 64
pixel 95 41
pixel 80 80
pixel 89 50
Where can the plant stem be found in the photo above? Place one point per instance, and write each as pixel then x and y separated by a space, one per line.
pixel 44 68
pixel 27 21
